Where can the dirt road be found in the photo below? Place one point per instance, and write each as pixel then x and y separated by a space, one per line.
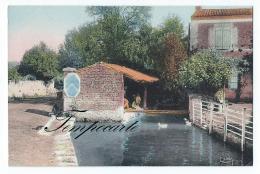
pixel 26 147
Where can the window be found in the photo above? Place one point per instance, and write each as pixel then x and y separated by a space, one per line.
pixel 233 81
pixel 72 85
pixel 223 36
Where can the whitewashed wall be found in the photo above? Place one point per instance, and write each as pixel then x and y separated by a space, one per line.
pixel 30 88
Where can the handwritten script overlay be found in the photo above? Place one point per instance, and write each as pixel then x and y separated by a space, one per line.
pixel 92 127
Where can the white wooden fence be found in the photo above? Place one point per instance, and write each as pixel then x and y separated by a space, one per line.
pixel 220 118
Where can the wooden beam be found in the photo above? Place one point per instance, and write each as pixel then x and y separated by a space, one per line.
pixel 145 97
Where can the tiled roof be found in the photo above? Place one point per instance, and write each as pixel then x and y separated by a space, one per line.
pixel 222 13
pixel 128 72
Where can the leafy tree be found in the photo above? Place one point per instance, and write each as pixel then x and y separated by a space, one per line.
pixel 205 72
pixel 114 37
pixel 58 81
pixel 174 56
pixel 173 24
pixel 171 29
pixel 119 35
pixel 72 53
pixel 13 74
pixel 246 64
pixel 40 61
pixel 245 70
pixel 133 16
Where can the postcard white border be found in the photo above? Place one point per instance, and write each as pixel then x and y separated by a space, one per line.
pixel 4 88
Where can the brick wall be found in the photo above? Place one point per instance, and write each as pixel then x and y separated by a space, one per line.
pixel 245 33
pixel 203 35
pixel 101 93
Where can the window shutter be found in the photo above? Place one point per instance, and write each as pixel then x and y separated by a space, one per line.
pixel 233 81
pixel 218 38
pixel 223 36
pixel 226 38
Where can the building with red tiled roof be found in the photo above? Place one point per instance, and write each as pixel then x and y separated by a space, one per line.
pixel 100 90
pixel 221 29
pixel 127 72
pixel 225 30
pixel 238 13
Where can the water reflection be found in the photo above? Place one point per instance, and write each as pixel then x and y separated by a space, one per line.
pixel 154 144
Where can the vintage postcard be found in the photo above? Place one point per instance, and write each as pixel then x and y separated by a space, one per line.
pixel 130 85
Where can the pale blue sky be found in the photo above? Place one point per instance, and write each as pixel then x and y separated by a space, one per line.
pixel 67 17
pixel 28 25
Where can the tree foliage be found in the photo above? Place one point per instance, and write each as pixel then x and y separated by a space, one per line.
pixel 40 61
pixel 114 37
pixel 80 48
pixel 132 16
pixel 205 72
pixel 124 35
pixel 244 68
pixel 13 74
pixel 173 24
pixel 174 56
pixel 121 35
pixel 246 64
pixel 160 37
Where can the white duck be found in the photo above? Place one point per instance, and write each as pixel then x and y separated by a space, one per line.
pixel 187 122
pixel 162 126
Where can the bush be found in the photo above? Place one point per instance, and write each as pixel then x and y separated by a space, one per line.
pixel 205 72
pixel 13 74
pixel 58 82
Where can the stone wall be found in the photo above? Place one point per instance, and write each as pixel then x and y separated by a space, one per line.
pixel 30 88
pixel 101 93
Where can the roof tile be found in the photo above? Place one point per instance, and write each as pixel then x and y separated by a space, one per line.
pixel 128 72
pixel 220 13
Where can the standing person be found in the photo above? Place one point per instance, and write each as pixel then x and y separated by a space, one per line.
pixel 137 101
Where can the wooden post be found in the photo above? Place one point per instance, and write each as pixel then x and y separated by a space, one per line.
pixel 200 112
pixel 243 124
pixel 225 122
pixel 211 118
pixel 193 111
pixel 190 108
pixel 145 97
pixel 224 95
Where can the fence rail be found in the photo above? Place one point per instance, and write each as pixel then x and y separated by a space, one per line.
pixel 231 122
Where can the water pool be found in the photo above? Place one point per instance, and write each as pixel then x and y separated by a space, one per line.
pixel 158 141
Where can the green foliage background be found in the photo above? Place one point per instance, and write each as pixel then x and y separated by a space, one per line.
pixel 41 62
pixel 205 72
pixel 123 35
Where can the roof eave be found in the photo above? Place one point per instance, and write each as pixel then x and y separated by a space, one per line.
pixel 221 17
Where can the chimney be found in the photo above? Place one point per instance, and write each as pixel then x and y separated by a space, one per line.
pixel 198 8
